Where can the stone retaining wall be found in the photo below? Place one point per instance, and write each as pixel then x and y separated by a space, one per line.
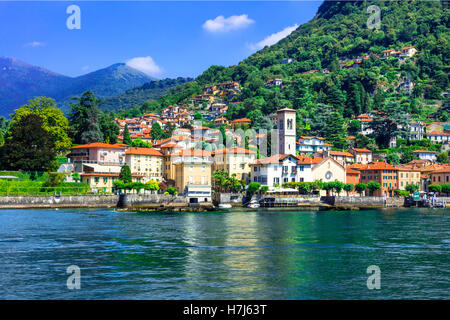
pixel 89 201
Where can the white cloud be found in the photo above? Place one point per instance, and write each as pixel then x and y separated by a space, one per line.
pixel 222 24
pixel 145 64
pixel 85 68
pixel 273 38
pixel 35 44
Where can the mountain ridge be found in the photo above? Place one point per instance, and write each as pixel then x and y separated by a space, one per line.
pixel 21 81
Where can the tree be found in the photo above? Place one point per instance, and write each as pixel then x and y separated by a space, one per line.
pixel 141 143
pixel 126 136
pixel 173 191
pixel 354 127
pixel 157 133
pixel 411 187
pixel 393 158
pixel 125 174
pixel 84 119
pixel 360 188
pixel 337 186
pixel 109 128
pixel 435 188
pixel 252 188
pixel 327 186
pixel 76 176
pixel 373 186
pixel 53 120
pixel 442 157
pixel 446 189
pixel 391 123
pixel 348 187
pixel 29 146
pixel 152 185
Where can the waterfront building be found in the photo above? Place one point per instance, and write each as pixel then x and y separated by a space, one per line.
pixel 234 161
pixel 352 176
pixel 408 174
pixel 383 173
pixel 147 162
pixel 193 174
pixel 328 170
pixel 440 176
pixel 100 178
pixel 275 170
pixel 97 153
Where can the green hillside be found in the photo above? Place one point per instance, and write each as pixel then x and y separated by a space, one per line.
pixel 339 32
pixel 139 95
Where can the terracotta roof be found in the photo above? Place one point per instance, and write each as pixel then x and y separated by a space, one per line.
pixel 424 151
pixel 309 160
pixel 143 151
pixel 341 153
pixel 438 133
pixel 352 171
pixel 98 145
pixel 241 120
pixel 378 166
pixel 235 150
pixel 362 150
pixel 443 170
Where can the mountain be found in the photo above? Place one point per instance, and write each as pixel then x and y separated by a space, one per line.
pixel 357 77
pixel 20 82
pixel 137 96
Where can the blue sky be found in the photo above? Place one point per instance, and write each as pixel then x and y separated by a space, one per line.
pixel 164 39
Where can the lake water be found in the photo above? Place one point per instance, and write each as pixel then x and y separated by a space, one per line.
pixel 239 254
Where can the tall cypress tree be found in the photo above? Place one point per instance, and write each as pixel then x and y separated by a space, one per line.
pixel 126 136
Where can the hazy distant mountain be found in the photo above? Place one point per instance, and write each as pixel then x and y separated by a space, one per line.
pixel 20 82
pixel 137 96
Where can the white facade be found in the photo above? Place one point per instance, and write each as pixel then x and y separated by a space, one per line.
pixel 309 145
pixel 425 155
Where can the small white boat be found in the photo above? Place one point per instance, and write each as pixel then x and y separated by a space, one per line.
pixel 224 206
pixel 253 204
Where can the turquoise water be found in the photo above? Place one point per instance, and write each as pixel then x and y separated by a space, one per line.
pixel 225 255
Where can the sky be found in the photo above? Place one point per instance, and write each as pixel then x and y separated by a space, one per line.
pixel 163 39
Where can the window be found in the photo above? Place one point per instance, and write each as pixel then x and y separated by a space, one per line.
pixel 105 180
pixel 276 180
pixel 191 179
pixel 203 179
pixel 96 179
pixel 302 168
pixel 285 180
pixel 255 169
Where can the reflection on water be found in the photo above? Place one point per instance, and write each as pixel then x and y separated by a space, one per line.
pixel 264 254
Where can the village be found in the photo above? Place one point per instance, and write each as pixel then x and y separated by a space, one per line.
pixel 180 162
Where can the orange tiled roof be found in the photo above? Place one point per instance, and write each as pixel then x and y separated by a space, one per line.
pixel 424 151
pixel 98 145
pixel 341 153
pixel 309 160
pixel 241 120
pixel 198 153
pixel 143 151
pixel 362 150
pixel 378 166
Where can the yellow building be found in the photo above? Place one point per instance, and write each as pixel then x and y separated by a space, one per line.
pixel 147 162
pixel 234 161
pixel 104 182
pixel 193 174
pixel 407 174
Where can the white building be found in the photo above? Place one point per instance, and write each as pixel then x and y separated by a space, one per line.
pixel 439 137
pixel 425 155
